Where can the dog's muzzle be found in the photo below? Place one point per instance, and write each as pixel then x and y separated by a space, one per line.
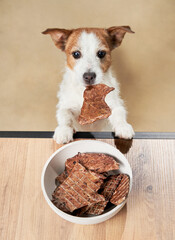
pixel 89 78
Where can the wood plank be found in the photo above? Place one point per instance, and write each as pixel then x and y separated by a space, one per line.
pixel 149 213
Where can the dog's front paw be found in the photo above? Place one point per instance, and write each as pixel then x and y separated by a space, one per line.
pixel 124 130
pixel 63 134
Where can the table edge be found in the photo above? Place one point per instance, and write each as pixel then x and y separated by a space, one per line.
pixel 97 135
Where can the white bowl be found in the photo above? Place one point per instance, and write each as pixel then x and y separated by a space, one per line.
pixel 56 164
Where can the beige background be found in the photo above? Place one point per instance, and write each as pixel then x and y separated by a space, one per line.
pixel 31 66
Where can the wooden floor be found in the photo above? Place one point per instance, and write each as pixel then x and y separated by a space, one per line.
pixel 148 215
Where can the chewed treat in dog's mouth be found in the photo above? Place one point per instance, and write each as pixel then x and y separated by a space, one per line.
pixel 94 106
pixel 86 187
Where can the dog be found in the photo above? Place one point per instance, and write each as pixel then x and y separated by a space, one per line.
pixel 88 54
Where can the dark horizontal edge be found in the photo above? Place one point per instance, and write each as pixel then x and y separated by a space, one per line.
pixel 97 135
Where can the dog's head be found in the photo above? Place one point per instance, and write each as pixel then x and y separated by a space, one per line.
pixel 88 50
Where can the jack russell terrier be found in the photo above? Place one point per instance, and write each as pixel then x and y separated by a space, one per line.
pixel 88 52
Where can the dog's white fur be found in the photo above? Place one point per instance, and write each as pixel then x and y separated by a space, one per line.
pixel 71 95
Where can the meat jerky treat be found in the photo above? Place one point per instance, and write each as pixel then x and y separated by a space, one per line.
pixel 110 186
pixel 94 105
pixel 97 208
pixel 60 205
pixel 97 162
pixel 93 209
pixel 108 189
pixel 78 189
pixel 121 191
pixel 70 162
pixel 60 178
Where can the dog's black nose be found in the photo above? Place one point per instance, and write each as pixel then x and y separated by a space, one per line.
pixel 89 77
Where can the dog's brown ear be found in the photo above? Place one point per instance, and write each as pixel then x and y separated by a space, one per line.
pixel 59 36
pixel 116 35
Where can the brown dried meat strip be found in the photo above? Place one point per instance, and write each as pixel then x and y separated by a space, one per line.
pixel 70 162
pixel 96 208
pixel 60 205
pixel 79 189
pixel 97 162
pixel 93 209
pixel 121 191
pixel 110 185
pixel 60 178
pixel 94 105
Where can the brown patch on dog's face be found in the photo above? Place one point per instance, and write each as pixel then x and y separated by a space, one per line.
pixel 104 38
pixel 71 47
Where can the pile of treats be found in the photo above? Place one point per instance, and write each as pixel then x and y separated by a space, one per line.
pixel 86 186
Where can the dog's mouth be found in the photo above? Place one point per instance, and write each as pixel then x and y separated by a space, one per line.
pixel 89 84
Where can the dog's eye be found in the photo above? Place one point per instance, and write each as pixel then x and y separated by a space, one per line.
pixel 101 54
pixel 76 54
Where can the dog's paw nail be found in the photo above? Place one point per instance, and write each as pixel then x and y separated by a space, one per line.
pixel 125 131
pixel 63 134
